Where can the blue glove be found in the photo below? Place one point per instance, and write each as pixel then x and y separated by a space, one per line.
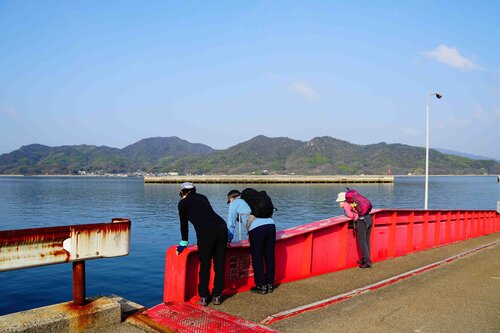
pixel 230 236
pixel 180 248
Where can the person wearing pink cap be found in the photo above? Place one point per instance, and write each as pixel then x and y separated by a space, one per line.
pixel 362 226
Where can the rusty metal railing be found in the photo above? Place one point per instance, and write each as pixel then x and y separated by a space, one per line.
pixel 27 248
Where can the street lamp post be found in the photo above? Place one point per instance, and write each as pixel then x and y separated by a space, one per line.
pixel 438 96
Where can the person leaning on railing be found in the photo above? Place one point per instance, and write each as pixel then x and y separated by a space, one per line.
pixel 262 238
pixel 211 235
pixel 363 227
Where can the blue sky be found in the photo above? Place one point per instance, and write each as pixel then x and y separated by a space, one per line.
pixel 221 72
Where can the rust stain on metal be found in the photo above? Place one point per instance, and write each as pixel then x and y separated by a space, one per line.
pixel 79 289
pixel 54 234
pixel 43 246
pixel 57 253
pixel 31 236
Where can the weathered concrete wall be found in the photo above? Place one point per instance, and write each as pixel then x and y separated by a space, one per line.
pixel 64 317
pixel 269 179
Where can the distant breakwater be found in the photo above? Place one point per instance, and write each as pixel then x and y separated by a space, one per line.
pixel 268 179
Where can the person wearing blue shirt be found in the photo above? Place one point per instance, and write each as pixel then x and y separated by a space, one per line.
pixel 262 237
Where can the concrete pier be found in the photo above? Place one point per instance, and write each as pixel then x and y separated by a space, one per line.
pixel 459 295
pixel 456 296
pixel 268 179
pixel 100 314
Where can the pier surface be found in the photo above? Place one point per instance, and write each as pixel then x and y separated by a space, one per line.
pixel 459 295
pixel 452 288
pixel 268 179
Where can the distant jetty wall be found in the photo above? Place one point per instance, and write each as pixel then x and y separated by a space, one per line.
pixel 269 179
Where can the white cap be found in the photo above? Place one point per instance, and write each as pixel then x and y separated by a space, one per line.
pixel 186 186
pixel 341 197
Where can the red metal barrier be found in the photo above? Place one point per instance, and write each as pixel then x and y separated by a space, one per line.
pixel 330 245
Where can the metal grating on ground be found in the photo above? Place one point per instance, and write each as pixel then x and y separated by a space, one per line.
pixel 186 317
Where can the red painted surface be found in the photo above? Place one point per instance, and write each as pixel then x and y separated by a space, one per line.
pixel 185 317
pixel 330 245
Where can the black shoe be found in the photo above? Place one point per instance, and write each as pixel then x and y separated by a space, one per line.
pixel 203 301
pixel 365 265
pixel 259 290
pixel 360 262
pixel 269 288
pixel 217 300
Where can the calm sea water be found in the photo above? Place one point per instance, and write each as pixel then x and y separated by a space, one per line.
pixel 32 202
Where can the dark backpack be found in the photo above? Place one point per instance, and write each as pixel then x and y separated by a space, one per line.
pixel 259 201
pixel 362 205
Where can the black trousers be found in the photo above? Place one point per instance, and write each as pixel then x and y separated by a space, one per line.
pixel 363 231
pixel 212 244
pixel 262 240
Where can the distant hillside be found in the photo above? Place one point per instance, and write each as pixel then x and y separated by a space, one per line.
pixel 471 156
pixel 255 155
pixel 38 159
pixel 321 155
pixel 156 154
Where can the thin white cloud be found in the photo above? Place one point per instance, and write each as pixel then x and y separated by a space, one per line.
pixel 9 113
pixel 451 57
pixel 496 113
pixel 455 123
pixel 408 131
pixel 271 76
pixel 303 89
pixel 481 115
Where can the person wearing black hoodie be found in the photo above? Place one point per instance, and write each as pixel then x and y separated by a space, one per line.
pixel 211 234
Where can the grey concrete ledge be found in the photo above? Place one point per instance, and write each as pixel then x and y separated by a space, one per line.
pixel 65 317
pixel 269 179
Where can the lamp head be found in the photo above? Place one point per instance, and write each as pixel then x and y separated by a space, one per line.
pixel 438 96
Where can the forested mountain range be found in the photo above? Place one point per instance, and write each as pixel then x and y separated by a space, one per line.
pixel 319 156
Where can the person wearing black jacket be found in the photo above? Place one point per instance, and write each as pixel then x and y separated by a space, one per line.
pixel 211 234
